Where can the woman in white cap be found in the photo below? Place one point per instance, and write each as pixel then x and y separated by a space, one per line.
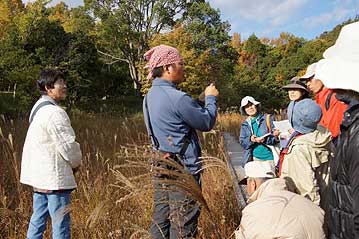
pixel 256 132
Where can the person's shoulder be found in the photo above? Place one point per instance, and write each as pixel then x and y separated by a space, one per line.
pixel 300 202
pixel 167 91
pixel 268 116
pixel 337 103
pixel 263 116
pixel 178 92
pixel 319 137
pixel 181 98
pixel 302 140
pixel 57 113
pixel 270 203
pixel 47 110
pixel 245 122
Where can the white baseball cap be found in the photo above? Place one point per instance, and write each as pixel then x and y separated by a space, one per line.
pixel 310 72
pixel 258 169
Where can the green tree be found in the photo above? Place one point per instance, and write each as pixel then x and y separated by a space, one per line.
pixel 72 19
pixel 8 10
pixel 125 28
pixel 207 29
pixel 35 41
pixel 204 43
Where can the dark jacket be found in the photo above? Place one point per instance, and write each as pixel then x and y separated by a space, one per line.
pixel 246 133
pixel 343 211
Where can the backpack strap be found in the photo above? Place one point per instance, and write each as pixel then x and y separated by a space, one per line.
pixel 284 151
pixel 187 142
pixel 187 138
pixel 152 135
pixel 268 123
pixel 327 100
pixel 39 106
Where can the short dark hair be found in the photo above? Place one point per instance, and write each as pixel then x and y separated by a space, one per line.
pixel 48 78
pixel 157 72
pixel 305 94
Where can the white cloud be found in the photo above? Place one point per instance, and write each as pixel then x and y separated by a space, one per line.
pixel 314 21
pixel 338 14
pixel 276 12
pixel 270 17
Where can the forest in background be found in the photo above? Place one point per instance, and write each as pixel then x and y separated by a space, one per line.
pixel 100 47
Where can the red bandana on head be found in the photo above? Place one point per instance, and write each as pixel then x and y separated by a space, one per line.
pixel 160 56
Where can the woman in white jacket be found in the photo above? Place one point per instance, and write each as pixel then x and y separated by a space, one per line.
pixel 49 157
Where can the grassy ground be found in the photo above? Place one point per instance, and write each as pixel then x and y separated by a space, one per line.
pixel 114 194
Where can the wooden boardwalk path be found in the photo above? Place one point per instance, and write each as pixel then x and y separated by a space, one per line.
pixel 235 155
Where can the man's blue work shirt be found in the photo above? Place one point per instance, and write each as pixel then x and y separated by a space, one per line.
pixel 173 113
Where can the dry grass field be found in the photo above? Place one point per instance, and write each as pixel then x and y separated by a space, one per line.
pixel 114 194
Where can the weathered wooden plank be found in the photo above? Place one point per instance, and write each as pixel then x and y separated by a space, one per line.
pixel 235 156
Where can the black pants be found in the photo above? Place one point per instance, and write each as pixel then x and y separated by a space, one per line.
pixel 175 214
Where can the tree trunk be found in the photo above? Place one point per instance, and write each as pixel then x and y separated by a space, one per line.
pixel 136 78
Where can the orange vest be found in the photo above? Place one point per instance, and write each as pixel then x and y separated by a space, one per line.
pixel 332 109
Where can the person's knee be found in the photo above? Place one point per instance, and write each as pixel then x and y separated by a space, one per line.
pixel 59 209
pixel 37 224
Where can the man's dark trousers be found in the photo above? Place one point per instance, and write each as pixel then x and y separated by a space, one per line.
pixel 175 214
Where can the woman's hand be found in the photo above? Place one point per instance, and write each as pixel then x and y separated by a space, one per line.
pixel 276 133
pixel 253 138
pixel 256 139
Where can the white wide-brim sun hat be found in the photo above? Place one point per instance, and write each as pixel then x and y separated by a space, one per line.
pixel 340 67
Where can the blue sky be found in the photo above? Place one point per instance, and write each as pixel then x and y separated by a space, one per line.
pixel 268 18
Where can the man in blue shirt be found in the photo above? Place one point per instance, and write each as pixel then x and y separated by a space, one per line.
pixel 171 117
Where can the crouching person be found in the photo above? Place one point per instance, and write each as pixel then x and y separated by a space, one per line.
pixel 49 157
pixel 305 159
pixel 275 212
